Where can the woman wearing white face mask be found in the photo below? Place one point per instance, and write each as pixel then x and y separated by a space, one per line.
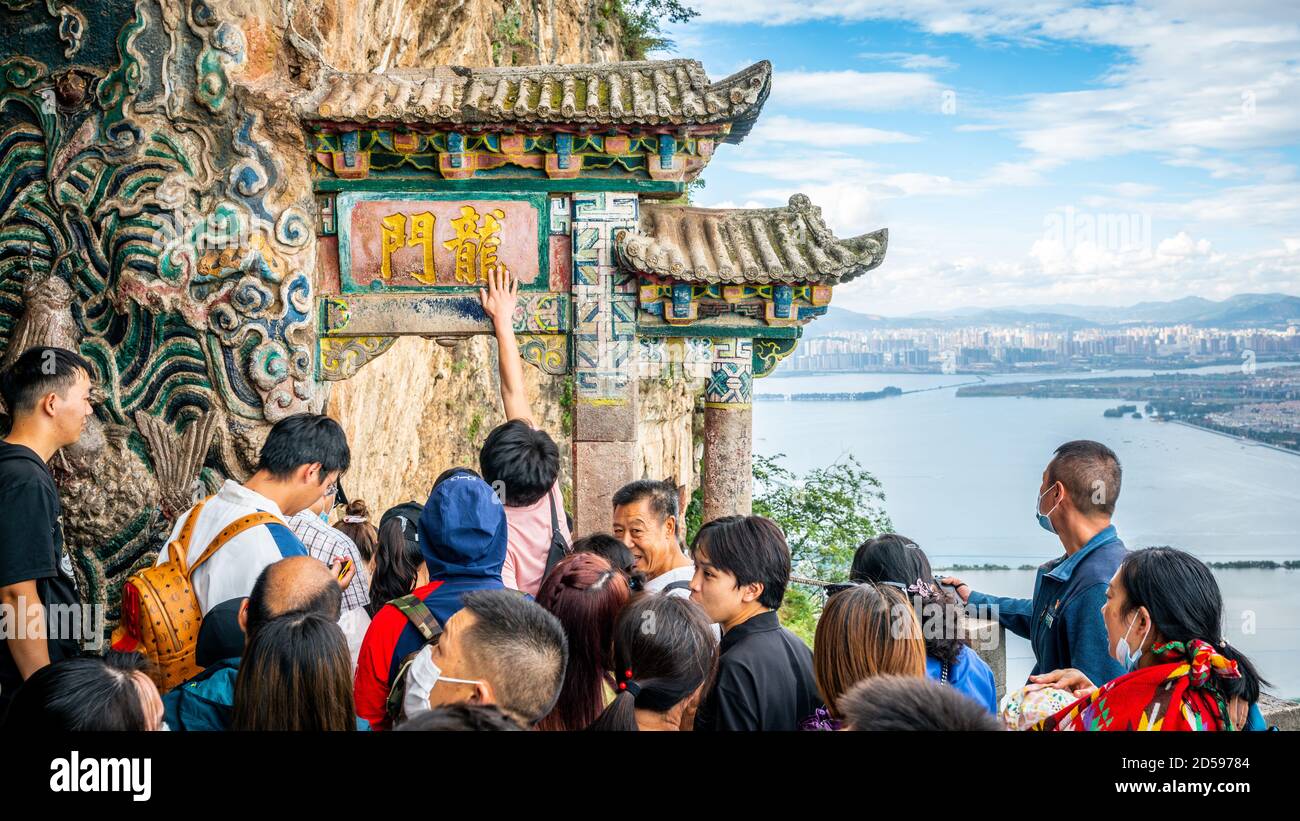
pixel 1163 614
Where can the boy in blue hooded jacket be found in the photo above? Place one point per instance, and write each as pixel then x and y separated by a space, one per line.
pixel 463 537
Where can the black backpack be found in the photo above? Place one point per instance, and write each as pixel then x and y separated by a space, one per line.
pixel 559 548
pixel 422 617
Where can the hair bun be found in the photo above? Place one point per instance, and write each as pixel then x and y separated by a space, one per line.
pixel 357 507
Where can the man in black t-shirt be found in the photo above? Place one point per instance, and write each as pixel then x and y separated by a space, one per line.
pixel 765 673
pixel 47 394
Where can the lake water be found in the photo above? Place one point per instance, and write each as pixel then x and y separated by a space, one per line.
pixel 961 476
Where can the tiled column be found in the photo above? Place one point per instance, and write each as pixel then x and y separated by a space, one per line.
pixel 728 430
pixel 604 413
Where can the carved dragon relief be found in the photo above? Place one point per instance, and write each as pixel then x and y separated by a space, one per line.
pixel 147 221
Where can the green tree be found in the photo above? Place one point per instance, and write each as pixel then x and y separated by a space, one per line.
pixel 825 514
pixel 641 23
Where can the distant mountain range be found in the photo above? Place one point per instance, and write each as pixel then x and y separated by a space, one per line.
pixel 1240 311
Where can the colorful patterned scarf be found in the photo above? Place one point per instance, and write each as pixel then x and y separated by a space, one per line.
pixel 1178 695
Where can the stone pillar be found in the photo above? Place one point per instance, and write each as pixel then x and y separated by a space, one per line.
pixel 604 335
pixel 989 640
pixel 728 430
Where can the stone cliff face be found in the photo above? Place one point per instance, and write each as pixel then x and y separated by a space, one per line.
pixel 384 34
pixel 422 408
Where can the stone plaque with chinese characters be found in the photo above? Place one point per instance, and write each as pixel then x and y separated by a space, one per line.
pixel 423 243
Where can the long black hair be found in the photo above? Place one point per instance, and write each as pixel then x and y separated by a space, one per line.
pixel 81 693
pixel 398 558
pixel 894 559
pixel 295 675
pixel 1184 601
pixel 667 644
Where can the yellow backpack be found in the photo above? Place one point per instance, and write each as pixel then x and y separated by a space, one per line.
pixel 160 614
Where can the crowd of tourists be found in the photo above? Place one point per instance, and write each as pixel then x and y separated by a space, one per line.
pixel 478 609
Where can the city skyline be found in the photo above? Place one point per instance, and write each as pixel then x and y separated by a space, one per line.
pixel 993 347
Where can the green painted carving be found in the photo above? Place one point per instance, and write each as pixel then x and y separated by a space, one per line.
pixel 142 222
pixel 768 353
pixel 548 352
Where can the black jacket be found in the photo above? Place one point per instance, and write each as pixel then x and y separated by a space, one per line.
pixel 765 680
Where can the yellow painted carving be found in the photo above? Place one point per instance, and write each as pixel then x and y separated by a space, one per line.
pixel 475 246
pixel 422 235
pixel 395 237
pixel 392 239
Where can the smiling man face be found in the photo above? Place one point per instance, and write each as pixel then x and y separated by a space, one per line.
pixel 645 519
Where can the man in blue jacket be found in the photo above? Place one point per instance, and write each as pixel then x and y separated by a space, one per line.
pixel 1063 620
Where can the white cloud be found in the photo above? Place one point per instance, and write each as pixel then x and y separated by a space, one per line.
pixel 778 128
pixel 1181 246
pixel 806 167
pixel 848 209
pixel 909 282
pixel 1196 77
pixel 1198 86
pixel 856 90
pixel 732 204
pixel 1133 190
pixel 910 61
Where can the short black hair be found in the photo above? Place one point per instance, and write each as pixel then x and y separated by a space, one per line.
pixel 326 601
pixel 912 703
pixel 1090 473
pixel 460 718
pixel 519 648
pixel 661 494
pixel 39 372
pixel 613 551
pixel 80 693
pixel 751 548
pixel 526 461
pixel 302 439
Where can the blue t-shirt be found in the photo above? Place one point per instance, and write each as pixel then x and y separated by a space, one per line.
pixel 970 676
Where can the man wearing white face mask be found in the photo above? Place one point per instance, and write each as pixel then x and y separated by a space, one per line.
pixel 1063 619
pixel 499 648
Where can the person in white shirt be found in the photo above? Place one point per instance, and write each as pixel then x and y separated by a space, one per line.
pixel 303 456
pixel 329 544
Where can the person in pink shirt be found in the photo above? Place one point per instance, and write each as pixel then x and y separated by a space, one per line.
pixel 520 462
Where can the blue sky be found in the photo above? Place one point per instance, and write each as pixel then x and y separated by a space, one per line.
pixel 1025 153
